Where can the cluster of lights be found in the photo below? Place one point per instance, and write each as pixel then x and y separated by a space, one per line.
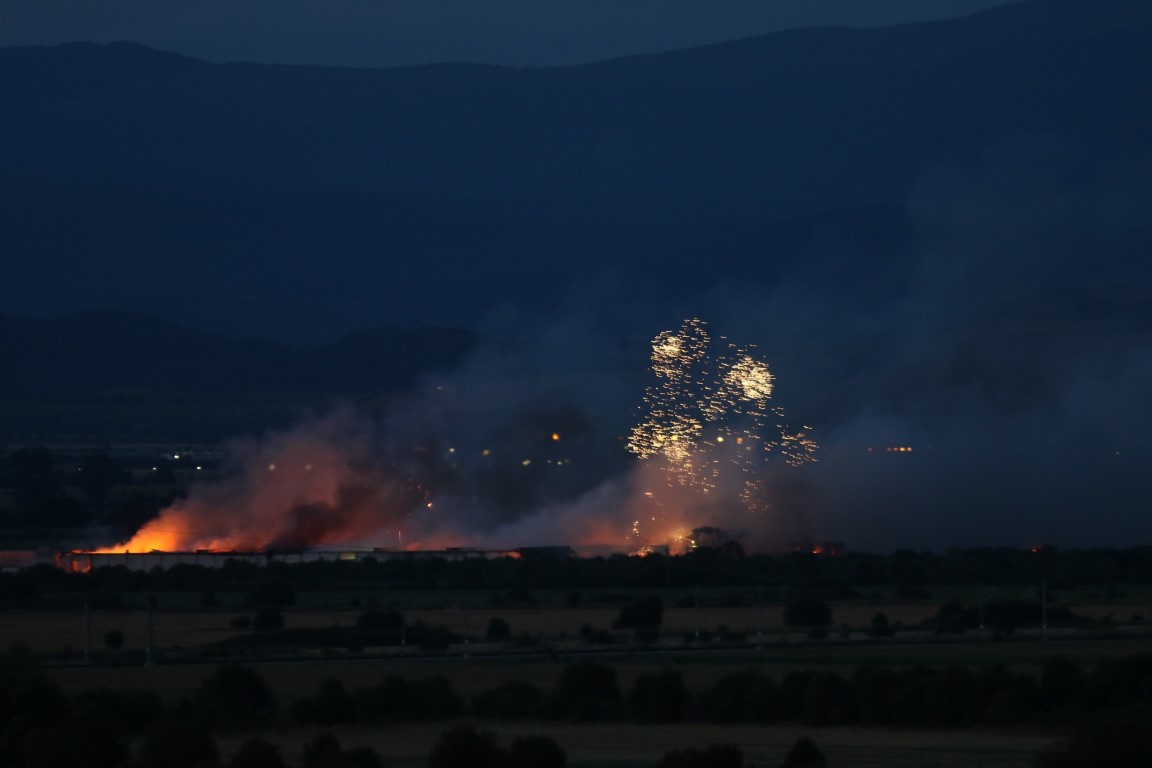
pixel 708 414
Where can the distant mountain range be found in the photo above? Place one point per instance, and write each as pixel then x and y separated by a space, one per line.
pixel 96 352
pixel 113 375
pixel 302 202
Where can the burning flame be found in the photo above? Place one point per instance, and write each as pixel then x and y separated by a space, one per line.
pixel 708 431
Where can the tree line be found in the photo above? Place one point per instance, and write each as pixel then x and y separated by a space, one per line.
pixel 903 575
pixel 40 724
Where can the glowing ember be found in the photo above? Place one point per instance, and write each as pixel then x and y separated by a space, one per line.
pixel 304 488
pixel 707 434
pixel 707 421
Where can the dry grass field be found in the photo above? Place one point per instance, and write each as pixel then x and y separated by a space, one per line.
pixel 474 673
pixel 559 626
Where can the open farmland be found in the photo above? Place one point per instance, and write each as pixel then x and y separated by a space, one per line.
pixel 881 673
pixel 557 626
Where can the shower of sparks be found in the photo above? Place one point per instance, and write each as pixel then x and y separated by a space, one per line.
pixel 708 417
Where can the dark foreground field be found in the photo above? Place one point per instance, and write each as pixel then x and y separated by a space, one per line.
pixel 482 665
pixel 619 663
pixel 639 746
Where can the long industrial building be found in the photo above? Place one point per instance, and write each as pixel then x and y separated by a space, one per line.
pixel 83 562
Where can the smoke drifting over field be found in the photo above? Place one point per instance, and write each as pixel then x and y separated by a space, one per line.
pixel 1011 349
pixel 987 384
pixel 512 450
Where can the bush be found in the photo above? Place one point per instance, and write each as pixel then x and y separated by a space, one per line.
pixel 807 612
pixel 331 705
pixel 236 697
pixel 521 596
pixel 93 737
pixel 432 638
pixel 804 754
pixel 177 743
pixel 740 697
pixel 645 613
pixel 257 753
pixel 466 747
pixel 361 757
pixel 594 636
pixel 587 690
pixel 274 593
pixel 498 629
pixel 714 756
pixel 661 698
pixel 880 626
pixel 513 700
pixel 535 752
pixel 1124 743
pixel 268 620
pixel 396 698
pixel 129 711
pixel 324 751
pixel 828 700
pixel 1061 679
pixel 378 627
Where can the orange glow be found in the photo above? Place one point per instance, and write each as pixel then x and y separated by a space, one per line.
pixel 153 538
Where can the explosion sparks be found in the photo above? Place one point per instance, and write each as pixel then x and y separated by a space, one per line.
pixel 708 417
pixel 345 479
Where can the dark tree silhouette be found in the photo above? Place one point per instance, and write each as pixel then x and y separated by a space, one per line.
pixel 535 752
pixel 466 747
pixel 177 743
pixel 114 639
pixel 804 754
pixel 257 753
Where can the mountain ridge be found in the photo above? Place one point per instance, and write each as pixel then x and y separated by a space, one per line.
pixel 84 353
pixel 287 187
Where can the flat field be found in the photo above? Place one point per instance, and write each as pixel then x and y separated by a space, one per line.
pixel 558 628
pixel 481 665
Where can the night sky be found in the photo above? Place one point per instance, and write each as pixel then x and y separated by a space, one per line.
pixel 370 33
pixel 937 235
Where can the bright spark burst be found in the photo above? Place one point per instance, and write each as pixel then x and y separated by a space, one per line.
pixel 708 416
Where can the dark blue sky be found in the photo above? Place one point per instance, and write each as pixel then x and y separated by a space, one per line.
pixel 380 33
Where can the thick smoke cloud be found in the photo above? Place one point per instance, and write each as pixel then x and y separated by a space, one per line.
pixel 1011 352
pixel 1008 346
pixel 324 482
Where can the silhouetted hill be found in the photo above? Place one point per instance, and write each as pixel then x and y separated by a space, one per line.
pixel 113 376
pixel 250 196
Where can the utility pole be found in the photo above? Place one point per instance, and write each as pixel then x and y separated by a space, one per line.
pixel 464 620
pixel 981 607
pixel 760 618
pixel 148 624
pixel 87 632
pixel 696 595
pixel 1044 611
